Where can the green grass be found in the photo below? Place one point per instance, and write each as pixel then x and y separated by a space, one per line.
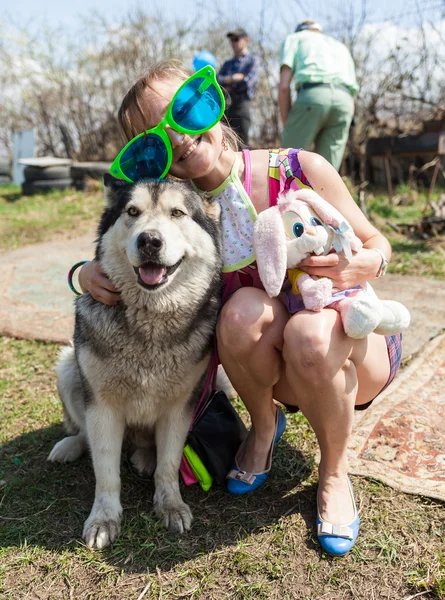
pixel 259 546
pixel 411 255
pixel 414 257
pixel 26 220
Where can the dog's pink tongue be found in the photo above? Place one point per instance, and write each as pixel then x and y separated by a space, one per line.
pixel 152 275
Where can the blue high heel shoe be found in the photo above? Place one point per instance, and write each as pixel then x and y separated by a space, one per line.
pixel 243 482
pixel 338 539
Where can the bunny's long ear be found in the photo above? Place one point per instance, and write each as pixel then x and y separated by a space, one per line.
pixel 269 242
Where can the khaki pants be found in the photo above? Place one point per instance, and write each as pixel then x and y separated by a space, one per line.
pixel 321 115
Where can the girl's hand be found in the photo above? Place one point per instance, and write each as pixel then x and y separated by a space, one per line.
pixel 93 280
pixel 363 267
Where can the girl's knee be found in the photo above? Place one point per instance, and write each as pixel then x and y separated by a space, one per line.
pixel 237 317
pixel 245 317
pixel 312 342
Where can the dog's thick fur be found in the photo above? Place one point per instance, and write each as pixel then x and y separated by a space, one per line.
pixel 137 369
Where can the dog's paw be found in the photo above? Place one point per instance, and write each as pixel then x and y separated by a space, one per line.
pixel 176 516
pixel 102 527
pixel 99 534
pixel 69 449
pixel 143 461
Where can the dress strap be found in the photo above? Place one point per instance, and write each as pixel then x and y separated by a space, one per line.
pixel 247 171
pixel 273 193
pixel 274 184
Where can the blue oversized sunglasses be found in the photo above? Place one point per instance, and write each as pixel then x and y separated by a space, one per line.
pixel 195 108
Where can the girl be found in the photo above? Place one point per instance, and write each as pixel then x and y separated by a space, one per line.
pixel 304 360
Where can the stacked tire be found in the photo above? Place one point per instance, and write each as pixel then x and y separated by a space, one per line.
pixel 5 174
pixel 82 171
pixel 39 180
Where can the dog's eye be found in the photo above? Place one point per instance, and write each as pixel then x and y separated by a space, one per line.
pixel 176 212
pixel 316 222
pixel 133 211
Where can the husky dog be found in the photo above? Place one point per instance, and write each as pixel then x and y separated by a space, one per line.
pixel 137 369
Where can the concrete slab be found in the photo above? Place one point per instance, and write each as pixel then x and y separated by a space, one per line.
pixel 35 301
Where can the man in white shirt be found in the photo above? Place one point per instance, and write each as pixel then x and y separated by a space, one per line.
pixel 324 75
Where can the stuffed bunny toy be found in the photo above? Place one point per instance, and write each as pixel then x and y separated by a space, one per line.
pixel 302 223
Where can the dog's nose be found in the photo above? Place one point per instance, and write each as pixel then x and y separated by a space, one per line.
pixel 149 241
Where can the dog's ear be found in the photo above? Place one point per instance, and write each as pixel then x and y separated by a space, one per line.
pixel 114 183
pixel 108 180
pixel 212 208
pixel 114 189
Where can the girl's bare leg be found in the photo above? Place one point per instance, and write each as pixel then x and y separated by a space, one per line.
pixel 250 339
pixel 326 373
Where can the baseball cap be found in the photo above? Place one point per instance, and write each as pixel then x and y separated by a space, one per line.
pixel 239 33
pixel 308 25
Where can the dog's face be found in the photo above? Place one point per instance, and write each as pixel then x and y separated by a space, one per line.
pixel 305 232
pixel 159 229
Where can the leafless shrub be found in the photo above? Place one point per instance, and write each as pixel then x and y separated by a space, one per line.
pixel 69 90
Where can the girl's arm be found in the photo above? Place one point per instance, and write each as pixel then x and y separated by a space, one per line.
pixel 284 93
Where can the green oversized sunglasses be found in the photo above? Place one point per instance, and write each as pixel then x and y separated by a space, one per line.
pixel 195 108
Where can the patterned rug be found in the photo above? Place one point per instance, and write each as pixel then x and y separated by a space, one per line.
pixel 401 439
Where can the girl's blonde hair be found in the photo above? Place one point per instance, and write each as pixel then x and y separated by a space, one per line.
pixel 134 112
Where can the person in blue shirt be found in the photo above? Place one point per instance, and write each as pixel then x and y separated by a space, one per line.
pixel 239 76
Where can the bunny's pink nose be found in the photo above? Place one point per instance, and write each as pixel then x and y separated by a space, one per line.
pixel 310 230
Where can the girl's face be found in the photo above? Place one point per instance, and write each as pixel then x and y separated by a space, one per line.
pixel 194 156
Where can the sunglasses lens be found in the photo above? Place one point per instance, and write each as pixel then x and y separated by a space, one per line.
pixel 197 105
pixel 145 157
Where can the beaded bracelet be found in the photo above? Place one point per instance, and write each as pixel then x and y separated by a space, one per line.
pixel 71 273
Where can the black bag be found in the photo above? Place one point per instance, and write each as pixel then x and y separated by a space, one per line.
pixel 216 435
